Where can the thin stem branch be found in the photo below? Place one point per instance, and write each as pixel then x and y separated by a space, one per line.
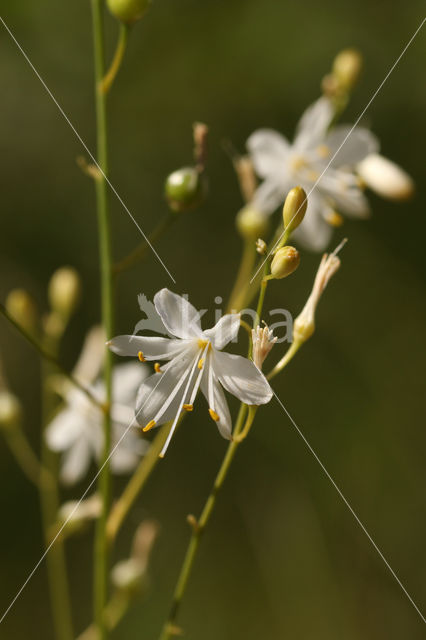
pixel 290 353
pixel 242 427
pixel 141 250
pixel 26 458
pixel 101 559
pixel 120 50
pixel 238 297
pixel 49 357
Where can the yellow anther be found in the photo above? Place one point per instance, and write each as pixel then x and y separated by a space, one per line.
pixel 323 151
pixel 157 368
pixel 213 415
pixel 188 407
pixel 200 363
pixel 141 356
pixel 297 163
pixel 313 175
pixel 202 343
pixel 334 219
pixel 149 426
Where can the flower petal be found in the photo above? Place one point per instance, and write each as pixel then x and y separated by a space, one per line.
pixel 224 424
pixel 180 318
pixel 268 150
pixel 65 428
pixel 153 348
pixel 385 177
pixel 75 462
pixel 128 453
pixel 313 125
pixel 91 359
pixel 242 378
pixel 355 145
pixel 314 233
pixel 224 331
pixel 342 188
pixel 126 379
pixel 270 194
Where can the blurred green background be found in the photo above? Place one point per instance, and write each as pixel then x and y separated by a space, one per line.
pixel 283 557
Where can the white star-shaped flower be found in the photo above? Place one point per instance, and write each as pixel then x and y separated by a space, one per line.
pixel 195 361
pixel 283 165
pixel 77 430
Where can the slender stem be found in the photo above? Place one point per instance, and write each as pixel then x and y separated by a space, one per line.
pixel 26 458
pixel 47 355
pixel 237 299
pixel 290 353
pixel 101 559
pixel 114 611
pixel 49 498
pixel 136 484
pixel 120 50
pixel 141 250
pixel 241 427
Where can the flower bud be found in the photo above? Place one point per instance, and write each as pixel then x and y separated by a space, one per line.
pixel 385 177
pixel 75 516
pixel 22 308
pixel 127 575
pixel 184 189
pixel 285 261
pixel 10 410
pixel 294 208
pixel 64 291
pixel 347 67
pixel 128 11
pixel 252 223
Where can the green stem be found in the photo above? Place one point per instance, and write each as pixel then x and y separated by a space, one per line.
pixel 120 50
pixel 141 250
pixel 291 352
pixel 49 498
pixel 238 297
pixel 242 427
pixel 101 559
pixel 49 357
pixel 26 458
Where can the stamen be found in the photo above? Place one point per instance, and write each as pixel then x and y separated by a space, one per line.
pixel 200 363
pixel 157 368
pixel 334 219
pixel 149 426
pixel 141 356
pixel 213 415
pixel 202 343
pixel 188 407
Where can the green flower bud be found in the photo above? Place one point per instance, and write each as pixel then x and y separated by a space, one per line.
pixel 184 189
pixel 128 11
pixel 251 223
pixel 23 310
pixel 64 291
pixel 10 410
pixel 285 261
pixel 347 67
pixel 294 208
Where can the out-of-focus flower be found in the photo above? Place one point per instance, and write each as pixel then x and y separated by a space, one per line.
pixel 195 361
pixel 386 178
pixel 281 165
pixel 77 430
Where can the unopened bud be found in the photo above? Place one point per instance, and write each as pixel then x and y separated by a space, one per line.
pixel 385 177
pixel 261 247
pixel 294 208
pixel 64 291
pixel 184 189
pixel 22 308
pixel 347 67
pixel 285 261
pixel 127 575
pixel 128 11
pixel 252 223
pixel 10 410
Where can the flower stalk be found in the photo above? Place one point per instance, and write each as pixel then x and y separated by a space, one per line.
pixel 120 50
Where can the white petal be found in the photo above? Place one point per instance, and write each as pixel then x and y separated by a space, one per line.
pixel 356 145
pixel 65 428
pixel 92 356
pixel 224 331
pixel 75 462
pixel 224 424
pixel 342 189
pixel 314 233
pixel 126 379
pixel 156 389
pixel 270 194
pixel 128 453
pixel 313 125
pixel 268 150
pixel 153 348
pixel 180 318
pixel 242 378
pixel 385 177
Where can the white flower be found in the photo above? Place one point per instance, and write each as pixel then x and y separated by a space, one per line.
pixel 195 361
pixel 283 165
pixel 77 430
pixel 385 177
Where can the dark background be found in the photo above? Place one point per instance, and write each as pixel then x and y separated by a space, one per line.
pixel 283 557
